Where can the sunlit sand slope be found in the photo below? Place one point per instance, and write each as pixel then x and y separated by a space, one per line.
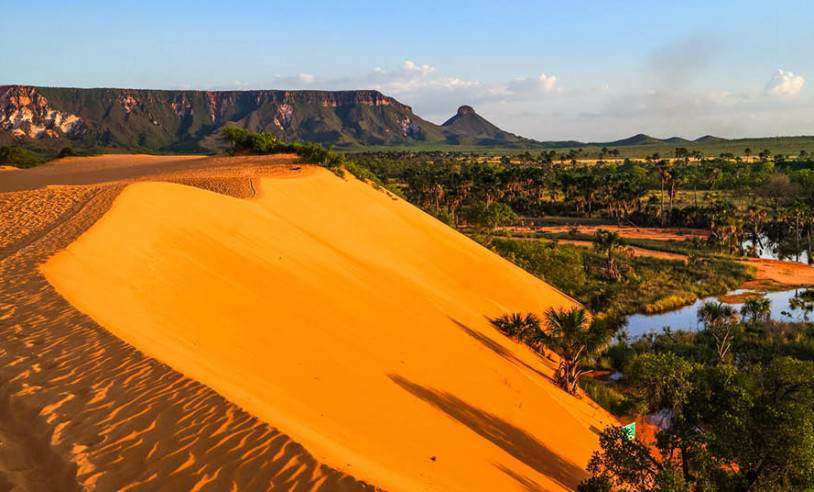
pixel 82 410
pixel 345 317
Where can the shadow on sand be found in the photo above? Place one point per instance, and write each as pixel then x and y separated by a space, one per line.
pixel 528 484
pixel 499 349
pixel 513 440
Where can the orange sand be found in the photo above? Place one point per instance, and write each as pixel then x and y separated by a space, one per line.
pixel 349 319
pixel 776 273
pixel 82 410
pixel 126 168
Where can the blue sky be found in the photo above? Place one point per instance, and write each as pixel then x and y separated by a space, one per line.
pixel 585 70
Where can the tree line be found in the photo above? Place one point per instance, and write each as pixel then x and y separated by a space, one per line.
pixel 734 199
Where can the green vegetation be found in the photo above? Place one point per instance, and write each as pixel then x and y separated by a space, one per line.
pixel 13 155
pixel 645 284
pixel 609 242
pixel 569 333
pixel 522 328
pixel 67 152
pixel 608 396
pixel 485 217
pixel 362 122
pixel 618 150
pixel 728 430
pixel 734 204
pixel 578 342
pixel 244 141
pixel 804 302
pixel 719 320
pixel 740 419
pixel 710 193
pixel 689 246
pixel 757 309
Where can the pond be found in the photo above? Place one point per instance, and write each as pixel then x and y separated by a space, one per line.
pixel 774 250
pixel 686 318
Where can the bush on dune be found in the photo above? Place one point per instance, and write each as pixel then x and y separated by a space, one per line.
pixel 245 141
pixel 16 156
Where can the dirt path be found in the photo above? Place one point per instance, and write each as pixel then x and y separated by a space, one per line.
pixel 774 274
pixel 666 234
pixel 770 274
pixel 629 250
pixel 80 409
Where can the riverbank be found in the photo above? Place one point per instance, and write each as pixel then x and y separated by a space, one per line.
pixel 769 274
pixel 777 274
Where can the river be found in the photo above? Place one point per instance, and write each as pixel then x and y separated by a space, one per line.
pixel 686 318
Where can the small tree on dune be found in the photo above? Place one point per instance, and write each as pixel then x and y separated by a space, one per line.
pixel 523 328
pixel 576 340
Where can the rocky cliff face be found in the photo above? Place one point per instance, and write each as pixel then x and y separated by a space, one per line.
pixel 25 113
pixel 190 121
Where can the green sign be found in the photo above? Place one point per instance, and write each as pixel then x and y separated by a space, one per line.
pixel 629 431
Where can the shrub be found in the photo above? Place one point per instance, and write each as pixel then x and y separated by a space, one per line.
pixel 245 141
pixel 67 152
pixel 488 217
pixel 14 155
pixel 607 396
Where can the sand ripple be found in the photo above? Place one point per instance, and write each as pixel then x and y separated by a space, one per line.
pixel 80 409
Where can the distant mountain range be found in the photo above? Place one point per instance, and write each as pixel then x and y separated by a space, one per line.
pixel 48 119
pixel 635 140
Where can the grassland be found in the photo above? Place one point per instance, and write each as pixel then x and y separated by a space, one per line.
pixel 590 151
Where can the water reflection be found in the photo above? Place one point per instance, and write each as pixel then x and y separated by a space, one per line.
pixel 686 318
pixel 785 250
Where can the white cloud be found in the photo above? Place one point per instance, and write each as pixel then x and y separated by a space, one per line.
pixel 529 87
pixel 547 83
pixel 424 70
pixel 537 105
pixel 784 84
pixel 415 80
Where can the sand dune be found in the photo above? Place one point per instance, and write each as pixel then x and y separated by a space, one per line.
pixel 348 319
pixel 82 410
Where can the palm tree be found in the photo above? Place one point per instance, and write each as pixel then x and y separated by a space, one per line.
pixel 576 340
pixel 609 242
pixel 755 218
pixel 719 320
pixel 757 309
pixel 523 328
pixel 665 173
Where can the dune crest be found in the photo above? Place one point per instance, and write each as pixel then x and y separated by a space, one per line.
pixel 345 317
